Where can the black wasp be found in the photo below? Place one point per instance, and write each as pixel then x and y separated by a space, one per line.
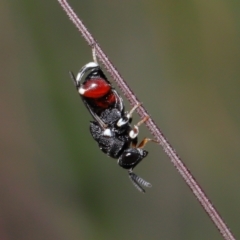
pixel 111 126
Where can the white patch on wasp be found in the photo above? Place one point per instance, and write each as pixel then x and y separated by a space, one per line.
pixel 107 133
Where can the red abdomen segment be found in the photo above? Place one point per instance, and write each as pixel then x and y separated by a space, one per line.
pixel 106 101
pixel 95 88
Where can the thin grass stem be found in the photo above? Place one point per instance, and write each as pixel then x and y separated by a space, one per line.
pixel 154 129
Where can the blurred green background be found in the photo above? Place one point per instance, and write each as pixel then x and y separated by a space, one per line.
pixel 182 60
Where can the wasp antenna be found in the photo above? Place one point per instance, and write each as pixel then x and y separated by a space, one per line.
pixel 140 180
pixel 135 183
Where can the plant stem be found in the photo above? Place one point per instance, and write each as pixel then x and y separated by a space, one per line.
pixel 175 159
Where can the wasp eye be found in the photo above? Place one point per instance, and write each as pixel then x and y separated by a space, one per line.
pixel 131 157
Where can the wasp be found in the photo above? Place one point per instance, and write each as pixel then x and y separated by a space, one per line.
pixel 111 126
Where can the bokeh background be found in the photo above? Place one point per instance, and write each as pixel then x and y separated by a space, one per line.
pixel 182 60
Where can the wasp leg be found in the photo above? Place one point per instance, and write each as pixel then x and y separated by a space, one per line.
pixel 145 141
pixel 94 54
pixel 134 132
pixel 129 115
pixel 134 142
